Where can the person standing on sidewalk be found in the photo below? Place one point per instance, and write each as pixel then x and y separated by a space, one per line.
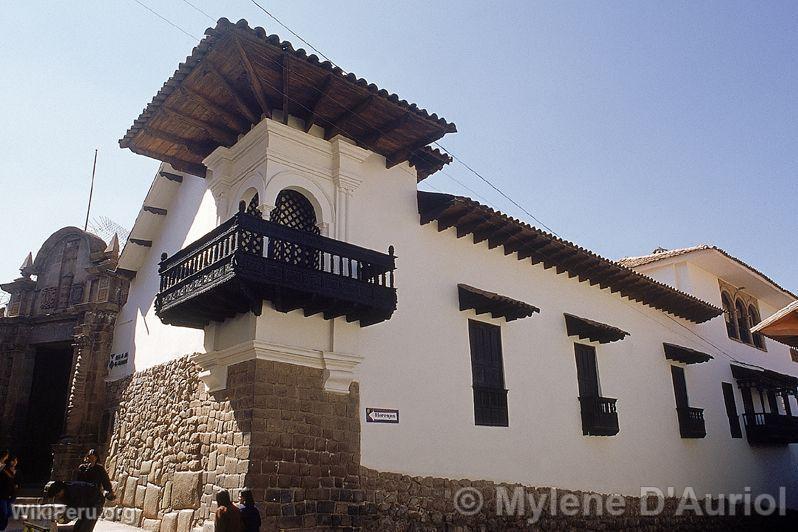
pixel 94 473
pixel 8 489
pixel 228 516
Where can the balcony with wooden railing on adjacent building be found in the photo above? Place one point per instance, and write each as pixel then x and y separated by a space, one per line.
pixel 691 422
pixel 769 428
pixel 247 260
pixel 599 416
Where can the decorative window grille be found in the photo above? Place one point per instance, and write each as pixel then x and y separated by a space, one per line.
pixel 294 210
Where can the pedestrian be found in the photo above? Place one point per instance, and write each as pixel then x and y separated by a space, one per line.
pixel 250 516
pixel 3 457
pixel 228 516
pixel 81 500
pixel 8 488
pixel 93 472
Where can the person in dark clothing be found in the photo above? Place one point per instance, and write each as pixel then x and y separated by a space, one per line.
pixel 250 516
pixel 228 516
pixel 82 500
pixel 94 473
pixel 8 489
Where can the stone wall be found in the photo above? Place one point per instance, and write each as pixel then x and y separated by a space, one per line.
pixel 275 430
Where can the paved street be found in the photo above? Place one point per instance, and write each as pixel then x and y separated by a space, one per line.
pixel 102 526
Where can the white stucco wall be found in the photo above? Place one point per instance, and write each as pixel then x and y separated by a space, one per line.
pixel 419 361
pixel 138 331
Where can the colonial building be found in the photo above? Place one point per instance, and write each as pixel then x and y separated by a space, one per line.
pixel 304 321
pixel 55 344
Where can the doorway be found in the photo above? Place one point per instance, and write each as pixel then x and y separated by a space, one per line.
pixel 46 410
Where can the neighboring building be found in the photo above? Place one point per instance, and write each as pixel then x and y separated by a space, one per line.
pixel 55 343
pixel 355 344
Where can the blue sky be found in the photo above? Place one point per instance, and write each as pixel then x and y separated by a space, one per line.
pixel 623 126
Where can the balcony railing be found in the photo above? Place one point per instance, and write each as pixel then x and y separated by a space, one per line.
pixel 691 422
pixel 490 406
pixel 771 428
pixel 599 416
pixel 247 260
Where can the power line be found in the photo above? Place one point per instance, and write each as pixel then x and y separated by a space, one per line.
pixel 151 10
pixel 297 35
pixel 449 152
pixel 200 10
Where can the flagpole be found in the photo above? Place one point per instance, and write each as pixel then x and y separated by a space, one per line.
pixel 91 190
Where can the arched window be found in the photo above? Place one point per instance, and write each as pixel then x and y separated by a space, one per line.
pixel 294 210
pixel 728 314
pixel 753 319
pixel 251 206
pixel 742 322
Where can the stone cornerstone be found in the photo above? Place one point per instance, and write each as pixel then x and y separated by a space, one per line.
pixel 274 429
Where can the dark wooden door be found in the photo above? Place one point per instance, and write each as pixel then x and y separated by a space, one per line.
pixel 587 370
pixel 487 370
pixel 679 387
pixel 731 410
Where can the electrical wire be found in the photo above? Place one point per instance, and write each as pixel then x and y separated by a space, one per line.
pixel 718 349
pixel 151 10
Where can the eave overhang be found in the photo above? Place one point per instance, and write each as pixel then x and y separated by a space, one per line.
pixel 782 326
pixel 238 75
pixel 685 355
pixel 764 379
pixel 528 242
pixel 592 330
pixel 482 301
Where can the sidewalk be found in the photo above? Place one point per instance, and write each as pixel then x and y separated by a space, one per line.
pixel 102 526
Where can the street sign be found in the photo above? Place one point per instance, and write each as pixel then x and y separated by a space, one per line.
pixel 382 415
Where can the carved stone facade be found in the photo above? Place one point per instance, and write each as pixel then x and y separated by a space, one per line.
pixel 55 342
pixel 274 429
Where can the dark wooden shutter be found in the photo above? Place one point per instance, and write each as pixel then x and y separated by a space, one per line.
pixel 487 369
pixel 679 386
pixel 748 400
pixel 586 370
pixel 731 410
pixel 774 405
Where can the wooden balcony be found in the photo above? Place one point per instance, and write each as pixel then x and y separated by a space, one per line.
pixel 247 260
pixel 773 429
pixel 691 422
pixel 599 416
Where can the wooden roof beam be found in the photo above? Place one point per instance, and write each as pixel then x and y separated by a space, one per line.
pixel 216 109
pixel 451 218
pixel 286 68
pixel 233 91
pixel 467 227
pixel 254 81
pixel 323 91
pixel 196 148
pixel 495 240
pixel 532 248
pixel 344 118
pixel 223 136
pixel 385 129
pixel 404 153
pixel 484 232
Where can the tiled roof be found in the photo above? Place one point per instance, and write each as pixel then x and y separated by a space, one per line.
pixel 237 74
pixel 634 262
pixel 528 242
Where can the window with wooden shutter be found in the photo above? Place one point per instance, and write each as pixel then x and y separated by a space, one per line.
pixel 599 414
pixel 731 410
pixel 487 369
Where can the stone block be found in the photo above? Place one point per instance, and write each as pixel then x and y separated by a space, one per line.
pixel 169 522
pixel 138 502
pixel 146 467
pixel 166 499
pixel 186 490
pixel 129 496
pixel 151 525
pixel 152 501
pixel 131 516
pixel 185 519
